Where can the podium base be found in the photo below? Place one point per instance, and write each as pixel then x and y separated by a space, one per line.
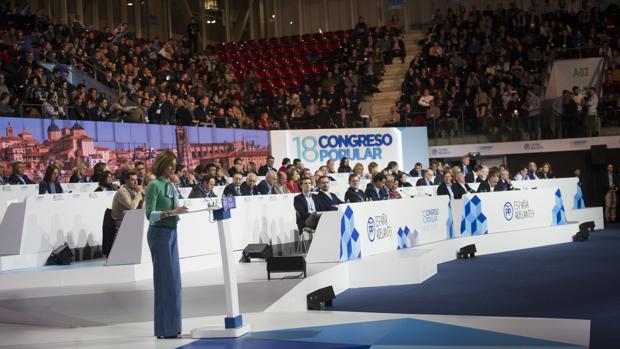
pixel 219 332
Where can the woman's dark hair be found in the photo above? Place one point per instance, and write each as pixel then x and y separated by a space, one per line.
pixel 104 176
pixel 49 171
pixel 343 161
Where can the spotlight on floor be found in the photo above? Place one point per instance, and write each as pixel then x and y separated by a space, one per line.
pixel 466 252
pixel 286 264
pixel 262 251
pixel 584 231
pixel 320 298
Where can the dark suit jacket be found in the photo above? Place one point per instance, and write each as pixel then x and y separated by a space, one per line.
pixel 264 169
pixel 422 182
pixel 354 195
pixel 44 187
pixel 263 188
pixel 414 173
pixel 479 179
pixel 229 190
pixel 202 115
pixel 301 206
pixel 247 191
pixel 531 174
pixel 13 179
pixel 166 113
pixel 458 190
pixel 372 195
pixel 502 186
pixel 442 189
pixel 199 191
pixel 605 181
pixel 76 179
pixel 326 203
pixel 484 187
pixel 470 177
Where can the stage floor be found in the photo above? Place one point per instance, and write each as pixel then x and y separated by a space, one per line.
pixel 119 315
pixel 316 330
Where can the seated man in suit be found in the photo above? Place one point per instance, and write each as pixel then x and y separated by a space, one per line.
pixel 203 189
pixel 234 188
pixel 377 190
pixel 472 176
pixel 127 197
pixel 532 170
pixel 483 174
pixel 427 178
pixel 17 176
pixel 464 165
pixel 445 188
pixel 504 181
pixel 354 194
pixel 306 205
pixel 522 175
pixel 327 201
pixel 417 170
pixel 268 185
pixel 460 186
pixel 262 171
pixel 248 188
pixel 489 184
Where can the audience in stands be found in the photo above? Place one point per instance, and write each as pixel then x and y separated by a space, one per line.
pixel 488 68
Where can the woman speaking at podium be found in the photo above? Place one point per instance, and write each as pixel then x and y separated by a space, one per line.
pixel 162 207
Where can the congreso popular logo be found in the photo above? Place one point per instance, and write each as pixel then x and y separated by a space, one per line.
pixel 356 147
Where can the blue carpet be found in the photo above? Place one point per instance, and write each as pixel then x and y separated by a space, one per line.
pixel 573 281
pixel 395 334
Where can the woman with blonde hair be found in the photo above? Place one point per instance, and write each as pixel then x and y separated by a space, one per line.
pixel 79 173
pixel 162 208
pixel 358 169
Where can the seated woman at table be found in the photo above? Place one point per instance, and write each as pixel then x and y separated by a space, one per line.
pixel 106 183
pixel 50 184
pixel 79 174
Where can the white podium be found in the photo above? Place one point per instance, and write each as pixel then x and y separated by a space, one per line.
pixel 233 322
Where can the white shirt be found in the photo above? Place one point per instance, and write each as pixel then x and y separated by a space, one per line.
pixel 592 105
pixel 610 178
pixel 310 201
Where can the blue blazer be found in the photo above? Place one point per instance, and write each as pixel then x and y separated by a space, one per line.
pixel 422 182
pixel 372 194
pixel 327 203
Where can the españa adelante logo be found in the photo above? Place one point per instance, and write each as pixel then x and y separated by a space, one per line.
pixel 378 227
pixel 355 147
pixel 370 226
pixel 508 211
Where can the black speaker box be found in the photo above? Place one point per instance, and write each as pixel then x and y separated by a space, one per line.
pixel 286 264
pixel 321 297
pixel 597 154
pixel 263 251
pixel 61 255
pixel 468 251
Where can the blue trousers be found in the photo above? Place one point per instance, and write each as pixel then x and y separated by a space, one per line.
pixel 166 280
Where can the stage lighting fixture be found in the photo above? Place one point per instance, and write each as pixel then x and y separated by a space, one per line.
pixel 262 251
pixel 466 252
pixel 61 255
pixel 286 264
pixel 584 231
pixel 320 298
